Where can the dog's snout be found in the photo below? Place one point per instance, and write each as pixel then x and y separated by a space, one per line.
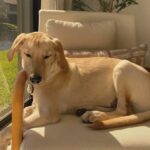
pixel 35 79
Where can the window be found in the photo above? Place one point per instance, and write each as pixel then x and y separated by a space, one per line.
pixel 16 16
pixel 8 32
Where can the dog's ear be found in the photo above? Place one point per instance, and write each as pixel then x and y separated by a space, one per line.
pixel 60 54
pixel 18 42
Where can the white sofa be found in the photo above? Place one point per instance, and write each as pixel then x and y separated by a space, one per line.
pixel 71 133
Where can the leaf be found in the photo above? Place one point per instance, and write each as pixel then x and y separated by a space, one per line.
pixel 104 5
pixel 9 26
pixel 123 4
pixel 80 5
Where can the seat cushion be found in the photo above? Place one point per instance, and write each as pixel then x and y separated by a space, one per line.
pixel 72 134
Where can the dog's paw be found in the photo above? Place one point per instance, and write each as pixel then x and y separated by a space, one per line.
pixel 5 137
pixel 27 111
pixel 90 116
pixel 3 142
pixel 93 116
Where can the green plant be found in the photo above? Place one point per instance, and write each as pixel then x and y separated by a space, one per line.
pixel 8 73
pixel 3 14
pixel 81 6
pixel 121 4
pixel 7 29
pixel 105 5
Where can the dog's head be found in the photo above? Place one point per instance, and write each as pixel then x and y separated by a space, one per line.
pixel 42 56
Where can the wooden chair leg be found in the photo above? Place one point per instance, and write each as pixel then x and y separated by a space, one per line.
pixel 17 110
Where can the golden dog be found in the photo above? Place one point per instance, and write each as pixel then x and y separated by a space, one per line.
pixel 63 85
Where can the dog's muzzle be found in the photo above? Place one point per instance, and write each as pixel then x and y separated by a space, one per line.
pixel 35 79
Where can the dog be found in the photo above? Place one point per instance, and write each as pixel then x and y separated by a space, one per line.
pixel 63 85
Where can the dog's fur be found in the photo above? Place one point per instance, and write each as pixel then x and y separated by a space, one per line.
pixel 71 83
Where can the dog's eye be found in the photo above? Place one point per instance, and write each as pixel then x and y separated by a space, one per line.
pixel 28 55
pixel 46 57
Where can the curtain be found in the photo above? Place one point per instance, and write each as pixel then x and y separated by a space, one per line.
pixel 36 7
pixel 24 16
pixel 56 4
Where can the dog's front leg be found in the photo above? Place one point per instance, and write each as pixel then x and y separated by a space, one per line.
pixel 38 118
pixel 5 136
pixel 35 119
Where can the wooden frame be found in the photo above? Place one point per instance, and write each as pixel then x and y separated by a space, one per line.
pixel 17 110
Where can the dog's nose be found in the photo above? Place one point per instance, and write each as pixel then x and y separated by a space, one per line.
pixel 35 79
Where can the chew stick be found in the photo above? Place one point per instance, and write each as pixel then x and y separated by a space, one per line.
pixel 17 110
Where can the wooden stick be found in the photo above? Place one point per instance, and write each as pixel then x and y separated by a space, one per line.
pixel 17 110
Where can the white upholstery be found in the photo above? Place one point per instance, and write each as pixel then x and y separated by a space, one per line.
pixel 83 35
pixel 126 36
pixel 72 134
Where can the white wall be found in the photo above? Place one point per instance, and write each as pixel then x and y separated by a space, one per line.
pixel 142 17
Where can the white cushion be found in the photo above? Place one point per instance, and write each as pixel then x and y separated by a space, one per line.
pixel 125 24
pixel 83 35
pixel 72 134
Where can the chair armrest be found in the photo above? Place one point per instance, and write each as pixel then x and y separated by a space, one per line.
pixel 17 110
